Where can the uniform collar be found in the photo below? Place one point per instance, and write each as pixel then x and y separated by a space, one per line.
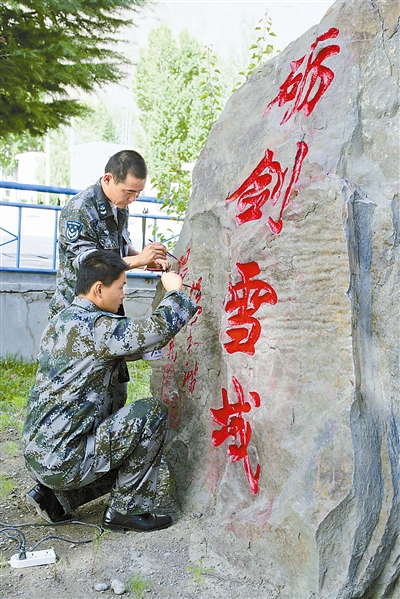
pixel 102 202
pixel 85 304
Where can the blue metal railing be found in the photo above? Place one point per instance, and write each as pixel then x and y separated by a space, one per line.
pixel 16 237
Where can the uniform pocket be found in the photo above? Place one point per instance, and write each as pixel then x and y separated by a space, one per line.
pixel 107 240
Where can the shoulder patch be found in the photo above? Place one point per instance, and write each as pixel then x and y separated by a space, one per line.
pixel 73 230
pixel 102 209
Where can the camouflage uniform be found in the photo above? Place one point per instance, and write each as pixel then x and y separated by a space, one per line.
pixel 87 223
pixel 74 441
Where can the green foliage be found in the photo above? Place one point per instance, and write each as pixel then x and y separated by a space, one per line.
pixel 98 124
pixel 170 241
pixel 166 85
pixel 139 384
pixel 136 586
pixel 211 96
pixel 16 379
pixel 50 47
pixel 60 161
pixel 261 49
pixel 198 572
pixel 6 486
pixel 180 92
pixel 14 144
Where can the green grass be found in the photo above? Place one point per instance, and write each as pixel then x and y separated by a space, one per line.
pixel 198 573
pixel 16 379
pixel 6 485
pixel 139 385
pixel 136 586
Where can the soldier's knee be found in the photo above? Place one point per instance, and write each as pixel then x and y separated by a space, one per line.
pixel 153 410
pixel 160 413
pixel 162 407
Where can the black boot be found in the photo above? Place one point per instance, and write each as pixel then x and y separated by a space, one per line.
pixel 140 522
pixel 46 504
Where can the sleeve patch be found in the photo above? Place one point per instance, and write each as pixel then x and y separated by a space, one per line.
pixel 73 230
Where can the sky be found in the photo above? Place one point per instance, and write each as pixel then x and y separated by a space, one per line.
pixel 223 23
pixel 227 25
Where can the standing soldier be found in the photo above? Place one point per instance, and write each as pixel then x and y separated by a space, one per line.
pixel 97 218
pixel 77 445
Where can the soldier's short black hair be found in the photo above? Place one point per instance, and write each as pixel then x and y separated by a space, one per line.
pixel 124 163
pixel 101 265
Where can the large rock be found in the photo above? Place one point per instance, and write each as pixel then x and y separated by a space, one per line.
pixel 284 393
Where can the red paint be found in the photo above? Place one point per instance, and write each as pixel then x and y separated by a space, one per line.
pixel 182 267
pixel 245 299
pixel 302 150
pixel 189 376
pixel 265 516
pixel 255 190
pixel 170 391
pixel 172 354
pixel 299 87
pixel 170 395
pixel 230 417
pixel 196 289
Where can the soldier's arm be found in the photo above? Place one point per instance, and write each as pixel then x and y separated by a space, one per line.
pixel 78 237
pixel 136 336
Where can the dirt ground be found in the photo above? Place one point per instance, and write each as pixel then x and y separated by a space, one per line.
pixel 171 563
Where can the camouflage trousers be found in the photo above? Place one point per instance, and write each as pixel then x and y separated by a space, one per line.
pixel 124 460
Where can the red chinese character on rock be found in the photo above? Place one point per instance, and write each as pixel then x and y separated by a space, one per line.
pixel 300 87
pixel 230 417
pixel 172 354
pixel 190 377
pixel 245 299
pixel 256 189
pixel 196 288
pixel 182 268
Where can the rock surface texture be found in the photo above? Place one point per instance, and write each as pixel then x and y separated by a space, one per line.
pixel 284 392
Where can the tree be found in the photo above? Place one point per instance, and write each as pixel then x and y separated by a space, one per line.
pixel 180 91
pixel 51 48
pixel 15 144
pixel 98 125
pixel 211 95
pixel 166 84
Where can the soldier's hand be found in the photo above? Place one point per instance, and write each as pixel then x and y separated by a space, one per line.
pixel 154 255
pixel 171 281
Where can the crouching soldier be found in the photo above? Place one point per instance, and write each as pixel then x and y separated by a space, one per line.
pixel 77 445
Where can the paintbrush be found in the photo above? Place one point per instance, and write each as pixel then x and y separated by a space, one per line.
pixel 159 273
pixel 168 253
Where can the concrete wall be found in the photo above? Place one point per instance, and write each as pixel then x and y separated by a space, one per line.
pixel 24 299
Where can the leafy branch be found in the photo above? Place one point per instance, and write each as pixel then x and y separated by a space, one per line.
pixel 261 50
pixel 211 90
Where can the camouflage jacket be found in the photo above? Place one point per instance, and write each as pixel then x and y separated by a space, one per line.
pixel 87 223
pixel 79 357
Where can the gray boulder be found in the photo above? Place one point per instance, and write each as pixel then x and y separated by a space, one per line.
pixel 284 392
